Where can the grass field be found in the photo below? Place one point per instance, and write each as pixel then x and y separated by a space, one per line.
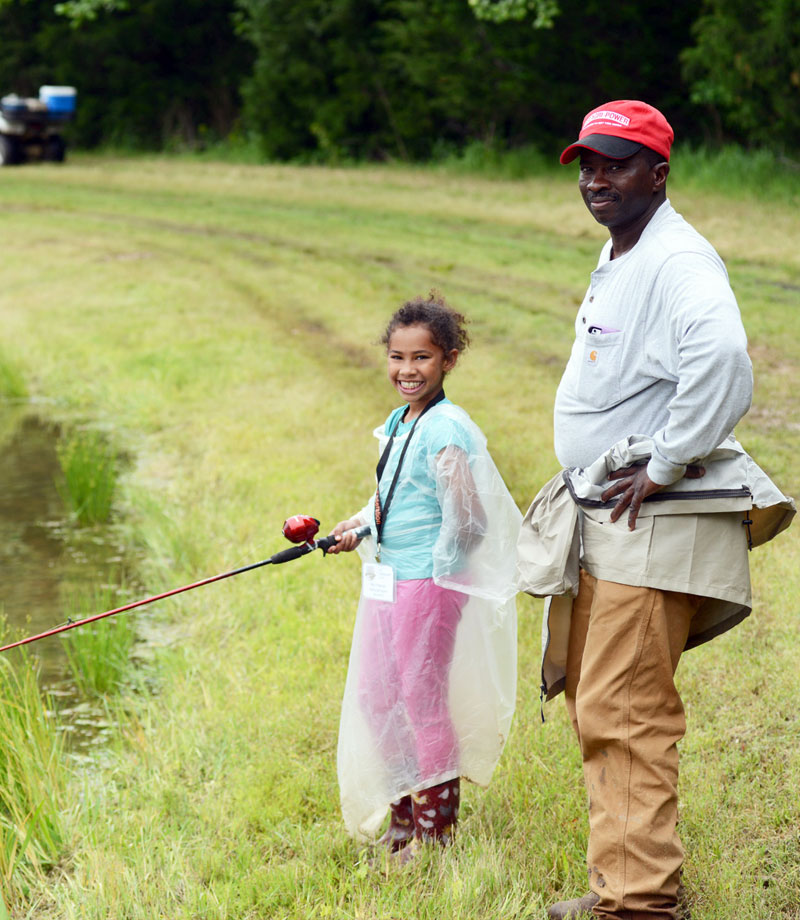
pixel 219 321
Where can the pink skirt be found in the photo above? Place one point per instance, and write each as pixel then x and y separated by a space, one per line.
pixel 406 655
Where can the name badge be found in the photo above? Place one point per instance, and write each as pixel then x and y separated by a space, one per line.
pixel 377 582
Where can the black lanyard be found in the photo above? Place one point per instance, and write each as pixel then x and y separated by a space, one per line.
pixel 381 512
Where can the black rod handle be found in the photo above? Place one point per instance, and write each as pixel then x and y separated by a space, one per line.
pixel 294 552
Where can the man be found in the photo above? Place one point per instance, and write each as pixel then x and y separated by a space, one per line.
pixel 654 499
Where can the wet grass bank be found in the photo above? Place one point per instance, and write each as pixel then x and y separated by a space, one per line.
pixel 58 565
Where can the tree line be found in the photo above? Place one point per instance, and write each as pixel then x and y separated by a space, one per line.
pixel 408 79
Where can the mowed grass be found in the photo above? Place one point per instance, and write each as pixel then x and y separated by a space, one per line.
pixel 220 320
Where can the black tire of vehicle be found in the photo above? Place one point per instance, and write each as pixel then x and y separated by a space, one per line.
pixel 55 150
pixel 9 151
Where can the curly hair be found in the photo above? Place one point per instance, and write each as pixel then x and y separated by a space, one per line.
pixel 446 325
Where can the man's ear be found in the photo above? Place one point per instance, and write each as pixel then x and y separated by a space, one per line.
pixel 660 173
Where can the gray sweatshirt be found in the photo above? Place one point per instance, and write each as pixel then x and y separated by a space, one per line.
pixel 659 351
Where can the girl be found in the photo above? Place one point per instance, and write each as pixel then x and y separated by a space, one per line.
pixel 432 679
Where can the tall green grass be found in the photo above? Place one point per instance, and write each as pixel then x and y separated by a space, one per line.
pixel 756 174
pixel 12 381
pixel 89 467
pixel 31 780
pixel 98 653
pixel 732 170
pixel 482 158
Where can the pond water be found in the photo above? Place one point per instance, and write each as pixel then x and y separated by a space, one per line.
pixel 44 557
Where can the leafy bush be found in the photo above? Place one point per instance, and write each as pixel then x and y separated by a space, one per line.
pixel 745 65
pixel 393 79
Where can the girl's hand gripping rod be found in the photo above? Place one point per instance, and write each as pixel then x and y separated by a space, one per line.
pixel 300 529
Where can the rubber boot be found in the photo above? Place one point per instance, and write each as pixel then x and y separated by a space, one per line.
pixel 579 908
pixel 436 812
pixel 401 825
pixel 575 909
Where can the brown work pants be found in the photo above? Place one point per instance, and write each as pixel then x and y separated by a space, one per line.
pixel 624 647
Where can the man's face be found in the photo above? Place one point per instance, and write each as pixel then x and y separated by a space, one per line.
pixel 619 193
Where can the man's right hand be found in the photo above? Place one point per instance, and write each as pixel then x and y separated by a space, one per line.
pixel 633 485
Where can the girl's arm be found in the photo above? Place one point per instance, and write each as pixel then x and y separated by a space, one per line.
pixel 464 521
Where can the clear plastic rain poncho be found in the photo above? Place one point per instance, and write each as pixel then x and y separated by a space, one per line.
pixel 431 685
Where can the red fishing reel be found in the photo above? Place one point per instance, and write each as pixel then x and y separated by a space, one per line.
pixel 300 528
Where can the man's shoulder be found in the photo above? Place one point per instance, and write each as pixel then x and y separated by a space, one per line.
pixel 669 233
pixel 673 249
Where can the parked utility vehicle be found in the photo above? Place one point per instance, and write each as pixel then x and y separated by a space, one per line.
pixel 31 128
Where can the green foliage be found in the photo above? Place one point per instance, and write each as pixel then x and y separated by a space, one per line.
pixel 89 466
pixel 399 78
pixel 98 653
pixel 315 75
pixel 31 780
pixel 501 10
pixel 171 70
pixel 88 10
pixel 745 66
pixel 343 80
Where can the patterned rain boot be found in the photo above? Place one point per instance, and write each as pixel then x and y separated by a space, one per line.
pixel 401 825
pixel 436 812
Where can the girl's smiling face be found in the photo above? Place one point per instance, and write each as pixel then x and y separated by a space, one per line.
pixel 417 366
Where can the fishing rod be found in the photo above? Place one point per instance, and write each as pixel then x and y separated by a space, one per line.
pixel 300 529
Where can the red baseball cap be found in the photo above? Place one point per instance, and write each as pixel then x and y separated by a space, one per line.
pixel 619 129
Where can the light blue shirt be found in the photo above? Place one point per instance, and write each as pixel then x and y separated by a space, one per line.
pixel 415 516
